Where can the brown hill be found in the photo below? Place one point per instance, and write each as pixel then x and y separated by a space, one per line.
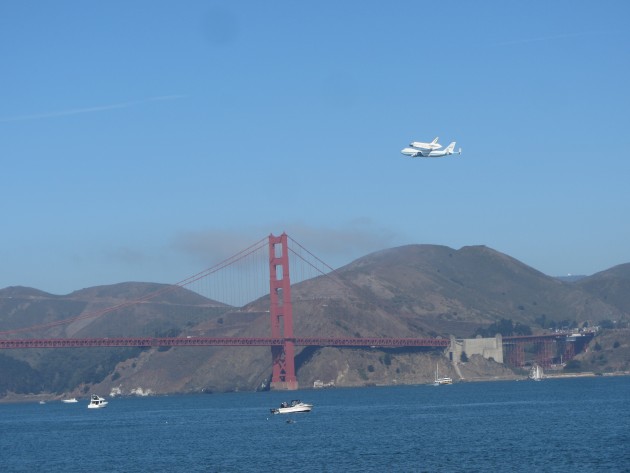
pixel 610 350
pixel 433 290
pixel 611 286
pixel 105 311
pixel 164 311
pixel 410 291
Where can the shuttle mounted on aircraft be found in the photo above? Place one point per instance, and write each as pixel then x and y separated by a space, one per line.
pixel 420 152
pixel 426 146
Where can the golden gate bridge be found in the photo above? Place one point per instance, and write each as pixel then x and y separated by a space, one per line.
pixel 276 263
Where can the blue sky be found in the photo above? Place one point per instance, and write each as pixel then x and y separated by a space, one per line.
pixel 148 140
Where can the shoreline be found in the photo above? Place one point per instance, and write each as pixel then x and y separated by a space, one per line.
pixel 13 398
pixel 586 374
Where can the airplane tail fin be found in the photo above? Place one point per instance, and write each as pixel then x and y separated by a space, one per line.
pixel 434 142
pixel 450 148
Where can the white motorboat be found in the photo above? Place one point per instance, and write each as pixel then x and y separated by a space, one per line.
pixel 69 401
pixel 536 373
pixel 293 407
pixel 440 381
pixel 97 402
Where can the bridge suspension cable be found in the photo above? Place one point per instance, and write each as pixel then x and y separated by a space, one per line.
pixel 234 281
pixel 322 268
pixel 237 280
pixel 253 249
pixel 317 267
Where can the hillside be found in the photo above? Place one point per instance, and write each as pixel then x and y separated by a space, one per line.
pixel 410 291
pixel 609 352
pixel 169 313
pixel 435 290
pixel 611 286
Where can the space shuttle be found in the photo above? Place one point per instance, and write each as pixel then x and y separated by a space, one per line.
pixel 426 146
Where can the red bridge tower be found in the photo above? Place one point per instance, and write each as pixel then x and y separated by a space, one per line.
pixel 281 310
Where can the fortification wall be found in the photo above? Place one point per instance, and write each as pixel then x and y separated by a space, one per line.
pixel 489 348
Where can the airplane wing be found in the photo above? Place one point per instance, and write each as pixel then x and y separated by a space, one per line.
pixel 423 152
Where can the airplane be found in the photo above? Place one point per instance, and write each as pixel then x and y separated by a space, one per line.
pixel 419 153
pixel 429 146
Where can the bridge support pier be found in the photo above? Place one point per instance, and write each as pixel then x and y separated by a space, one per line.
pixel 514 353
pixel 281 311
pixel 545 353
pixel 283 365
pixel 569 352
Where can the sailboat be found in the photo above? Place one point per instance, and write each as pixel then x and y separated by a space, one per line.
pixel 440 381
pixel 536 373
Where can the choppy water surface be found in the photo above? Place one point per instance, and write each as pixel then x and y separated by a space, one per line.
pixel 555 425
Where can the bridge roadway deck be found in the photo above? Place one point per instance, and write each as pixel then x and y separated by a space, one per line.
pixel 208 341
pixel 260 341
pixel 546 336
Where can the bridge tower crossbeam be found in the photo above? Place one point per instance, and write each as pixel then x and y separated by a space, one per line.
pixel 281 311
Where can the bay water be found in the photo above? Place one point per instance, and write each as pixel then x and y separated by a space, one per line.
pixel 557 425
